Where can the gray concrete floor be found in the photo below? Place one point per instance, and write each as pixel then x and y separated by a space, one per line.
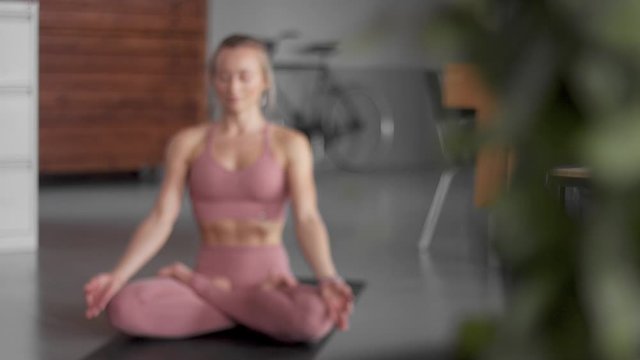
pixel 413 302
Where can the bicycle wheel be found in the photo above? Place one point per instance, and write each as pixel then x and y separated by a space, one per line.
pixel 358 128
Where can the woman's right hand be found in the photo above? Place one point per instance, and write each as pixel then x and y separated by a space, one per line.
pixel 99 291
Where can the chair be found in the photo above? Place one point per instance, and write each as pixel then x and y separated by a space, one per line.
pixel 454 128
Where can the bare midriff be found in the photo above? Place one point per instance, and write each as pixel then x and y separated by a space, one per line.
pixel 242 232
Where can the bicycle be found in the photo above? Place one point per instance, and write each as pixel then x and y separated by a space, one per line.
pixel 345 123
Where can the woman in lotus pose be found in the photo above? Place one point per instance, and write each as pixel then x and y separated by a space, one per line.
pixel 241 171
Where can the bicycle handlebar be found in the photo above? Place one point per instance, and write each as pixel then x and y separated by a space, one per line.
pixel 322 49
pixel 272 43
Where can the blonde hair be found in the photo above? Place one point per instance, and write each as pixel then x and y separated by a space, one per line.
pixel 243 40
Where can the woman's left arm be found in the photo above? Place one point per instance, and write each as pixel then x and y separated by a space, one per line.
pixel 310 228
pixel 312 232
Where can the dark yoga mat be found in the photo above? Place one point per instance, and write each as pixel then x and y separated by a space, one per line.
pixel 237 343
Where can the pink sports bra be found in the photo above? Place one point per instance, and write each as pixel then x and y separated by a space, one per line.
pixel 258 191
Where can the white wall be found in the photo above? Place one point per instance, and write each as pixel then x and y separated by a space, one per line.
pixel 377 33
pixel 381 47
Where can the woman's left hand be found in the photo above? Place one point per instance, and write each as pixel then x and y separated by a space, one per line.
pixel 338 296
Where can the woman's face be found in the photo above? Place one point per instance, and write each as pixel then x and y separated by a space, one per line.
pixel 239 80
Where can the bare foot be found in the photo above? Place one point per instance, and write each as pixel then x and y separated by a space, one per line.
pixel 221 282
pixel 183 273
pixel 278 281
pixel 178 271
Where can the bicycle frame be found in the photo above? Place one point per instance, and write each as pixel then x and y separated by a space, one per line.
pixel 325 88
pixel 345 122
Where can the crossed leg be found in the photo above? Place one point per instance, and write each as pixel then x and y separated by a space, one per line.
pixel 164 307
pixel 290 314
pixel 189 304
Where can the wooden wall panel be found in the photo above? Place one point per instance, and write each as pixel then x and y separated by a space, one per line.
pixel 102 149
pixel 90 21
pixel 117 82
pixel 117 79
pixel 70 102
pixel 124 45
pixel 165 7
pixel 66 63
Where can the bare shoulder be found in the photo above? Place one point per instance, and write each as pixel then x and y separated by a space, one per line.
pixel 189 134
pixel 289 139
pixel 183 142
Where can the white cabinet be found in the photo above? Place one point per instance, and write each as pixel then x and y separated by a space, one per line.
pixel 17 206
pixel 15 42
pixel 17 128
pixel 18 125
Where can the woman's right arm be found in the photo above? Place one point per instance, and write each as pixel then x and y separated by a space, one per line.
pixel 153 231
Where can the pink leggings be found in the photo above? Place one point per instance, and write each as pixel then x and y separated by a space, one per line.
pixel 165 307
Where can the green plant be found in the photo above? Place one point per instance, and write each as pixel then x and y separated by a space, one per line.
pixel 566 75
